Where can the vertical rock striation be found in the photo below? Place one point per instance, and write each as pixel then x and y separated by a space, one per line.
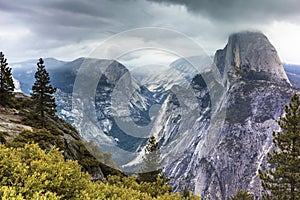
pixel 220 159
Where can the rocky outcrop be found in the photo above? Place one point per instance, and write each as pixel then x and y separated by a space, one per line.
pixel 11 123
pixel 250 55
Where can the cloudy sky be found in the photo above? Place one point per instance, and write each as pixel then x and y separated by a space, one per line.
pixel 67 29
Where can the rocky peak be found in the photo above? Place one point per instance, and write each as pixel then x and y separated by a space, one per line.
pixel 220 156
pixel 250 55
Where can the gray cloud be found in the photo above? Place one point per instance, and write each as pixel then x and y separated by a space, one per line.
pixel 68 29
pixel 241 10
pixel 55 24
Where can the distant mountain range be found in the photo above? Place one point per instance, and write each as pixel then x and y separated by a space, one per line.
pixel 293 72
pixel 24 72
pixel 214 125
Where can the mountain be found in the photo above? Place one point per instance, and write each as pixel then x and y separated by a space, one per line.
pixel 293 72
pixel 252 54
pixel 216 134
pixel 160 79
pixel 24 72
pixel 106 120
pixel 100 123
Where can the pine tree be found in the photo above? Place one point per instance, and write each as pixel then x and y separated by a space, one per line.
pixel 42 93
pixel 242 195
pixel 151 168
pixel 282 181
pixel 187 194
pixel 6 81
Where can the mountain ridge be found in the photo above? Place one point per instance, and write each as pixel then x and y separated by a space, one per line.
pixel 220 159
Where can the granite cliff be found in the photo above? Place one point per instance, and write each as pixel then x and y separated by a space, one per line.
pixel 219 156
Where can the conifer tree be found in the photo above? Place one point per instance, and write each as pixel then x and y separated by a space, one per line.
pixel 151 168
pixel 42 93
pixel 282 180
pixel 242 195
pixel 6 81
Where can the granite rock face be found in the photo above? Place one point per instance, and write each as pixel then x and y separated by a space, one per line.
pixel 221 155
pixel 253 55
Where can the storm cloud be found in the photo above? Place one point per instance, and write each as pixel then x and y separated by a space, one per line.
pixel 241 10
pixel 71 29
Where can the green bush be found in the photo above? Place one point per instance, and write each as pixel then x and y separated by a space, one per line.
pixel 42 137
pixel 2 137
pixel 29 173
pixel 92 157
pixel 242 195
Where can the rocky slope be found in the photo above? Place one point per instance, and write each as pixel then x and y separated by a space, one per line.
pixel 17 123
pixel 216 156
pixel 11 123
